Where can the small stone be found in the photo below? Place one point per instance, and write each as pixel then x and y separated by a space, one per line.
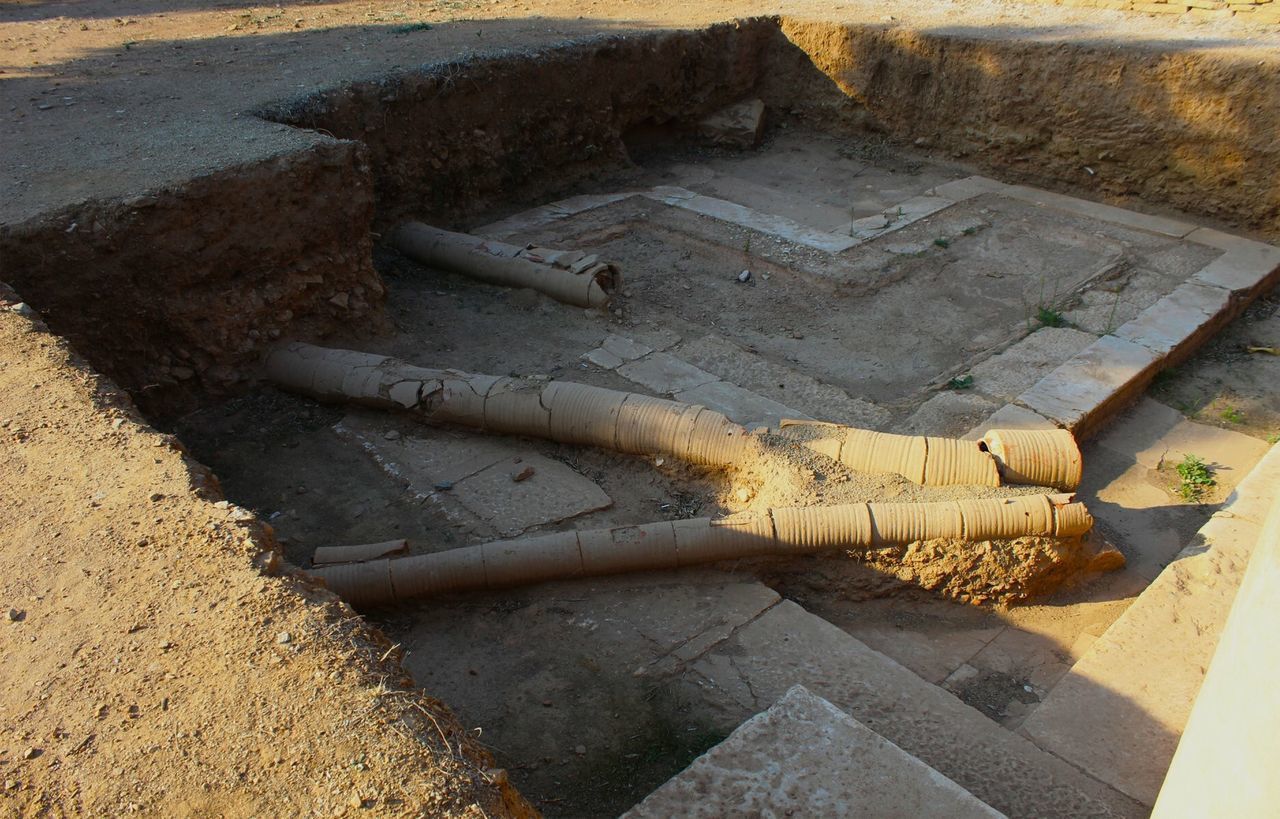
pixel 116 424
pixel 356 801
pixel 222 504
pixel 31 753
pixel 523 475
pixel 157 496
pixel 11 784
pixel 444 486
pixel 580 750
pixel 391 435
pixel 16 616
pixel 744 276
pixel 284 638
pixel 546 703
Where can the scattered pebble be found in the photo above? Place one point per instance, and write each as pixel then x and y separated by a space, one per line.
pixel 284 638
pixel 580 750
pixel 744 276
pixel 391 435
pixel 444 486
pixel 16 616
pixel 523 475
pixel 31 753
pixel 156 496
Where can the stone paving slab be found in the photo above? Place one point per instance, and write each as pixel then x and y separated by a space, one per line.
pixel 1180 321
pixel 1120 711
pixel 1246 270
pixel 1082 391
pixel 1017 369
pixel 1010 416
pixel 805 757
pixel 969 188
pixel 949 414
pixel 788 646
pixel 1153 434
pixel 1096 210
pixel 780 383
pixel 665 374
pixel 1255 496
pixel 477 474
pixel 740 405
pixel 736 214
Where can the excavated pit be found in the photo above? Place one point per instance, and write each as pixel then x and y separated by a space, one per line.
pixel 877 295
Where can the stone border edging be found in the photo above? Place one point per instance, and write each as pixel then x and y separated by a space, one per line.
pixel 1089 388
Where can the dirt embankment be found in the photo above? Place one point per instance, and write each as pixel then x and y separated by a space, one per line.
pixel 175 292
pixel 1153 125
pixel 461 138
pixel 153 661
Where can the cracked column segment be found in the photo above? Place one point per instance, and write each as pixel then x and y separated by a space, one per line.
pixel 681 543
pixel 557 410
pixel 569 276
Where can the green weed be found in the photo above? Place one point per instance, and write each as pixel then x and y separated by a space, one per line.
pixel 1048 317
pixel 1233 416
pixel 1196 477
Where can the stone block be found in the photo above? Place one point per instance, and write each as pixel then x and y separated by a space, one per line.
pixel 968 188
pixel 739 125
pixel 1010 416
pixel 805 757
pixel 1120 711
pixel 1099 211
pixel 603 359
pixel 664 373
pixel 625 348
pixel 788 646
pixel 741 405
pixel 1246 270
pixel 1084 391
pixel 948 414
pixel 1180 322
pixel 1018 368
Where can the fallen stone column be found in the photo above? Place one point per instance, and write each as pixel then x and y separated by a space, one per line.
pixel 556 410
pixel 1035 457
pixel 680 543
pixel 570 276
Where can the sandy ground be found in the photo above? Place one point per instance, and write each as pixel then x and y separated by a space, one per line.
pixel 103 98
pixel 152 668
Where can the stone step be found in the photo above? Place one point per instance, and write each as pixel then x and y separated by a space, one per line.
pixel 788 646
pixel 1119 712
pixel 805 757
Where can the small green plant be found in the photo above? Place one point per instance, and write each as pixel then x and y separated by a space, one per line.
pixel 1274 438
pixel 960 382
pixel 746 246
pixel 1233 416
pixel 409 28
pixel 1196 477
pixel 969 231
pixel 942 242
pixel 1048 317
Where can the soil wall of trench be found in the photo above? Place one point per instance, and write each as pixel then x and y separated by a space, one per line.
pixel 177 293
pixel 1153 126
